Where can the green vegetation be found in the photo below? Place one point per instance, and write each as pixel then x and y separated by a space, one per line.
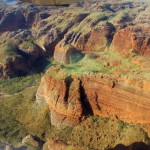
pixel 120 17
pixel 27 116
pixel 86 65
pixel 15 85
pixel 61 22
pixel 22 114
pixel 8 50
pixel 99 133
pixel 43 64
pixel 106 63
pixel 123 65
pixel 27 44
pixel 98 16
pixel 90 21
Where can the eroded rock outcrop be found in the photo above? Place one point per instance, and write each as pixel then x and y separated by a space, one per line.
pixel 31 51
pixel 66 53
pixel 89 27
pixel 112 80
pixel 69 101
pixel 135 38
pixel 53 29
pixel 18 60
pixel 95 36
pixel 64 99
pixel 62 34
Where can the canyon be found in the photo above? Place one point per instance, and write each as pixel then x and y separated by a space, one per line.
pixel 94 59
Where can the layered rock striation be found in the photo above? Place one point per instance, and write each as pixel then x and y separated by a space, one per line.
pixel 70 99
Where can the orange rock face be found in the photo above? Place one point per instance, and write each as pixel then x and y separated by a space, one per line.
pixel 135 38
pixel 93 39
pixel 104 27
pixel 121 101
pixel 64 99
pixel 93 95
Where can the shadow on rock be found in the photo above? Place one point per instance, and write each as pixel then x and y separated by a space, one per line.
pixel 134 146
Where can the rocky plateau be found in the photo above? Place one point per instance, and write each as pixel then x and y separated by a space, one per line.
pixel 94 57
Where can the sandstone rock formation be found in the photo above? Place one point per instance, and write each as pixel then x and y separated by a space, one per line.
pixel 53 29
pixel 14 67
pixel 30 50
pixel 66 54
pixel 93 95
pixel 135 38
pixel 95 36
pixel 16 61
pixel 101 29
pixel 64 99
pixel 98 27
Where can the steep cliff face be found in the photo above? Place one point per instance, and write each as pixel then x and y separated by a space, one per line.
pixel 64 99
pixel 69 101
pixel 117 101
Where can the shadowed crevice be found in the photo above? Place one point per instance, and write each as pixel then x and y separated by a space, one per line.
pixel 68 82
pixel 133 146
pixel 85 102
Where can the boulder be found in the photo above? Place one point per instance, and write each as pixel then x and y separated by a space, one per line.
pixel 29 140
